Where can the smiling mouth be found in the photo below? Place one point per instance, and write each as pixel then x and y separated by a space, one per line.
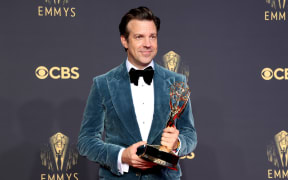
pixel 146 52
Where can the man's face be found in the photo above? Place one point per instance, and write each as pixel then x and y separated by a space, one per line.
pixel 141 43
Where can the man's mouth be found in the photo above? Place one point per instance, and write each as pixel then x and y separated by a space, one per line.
pixel 145 53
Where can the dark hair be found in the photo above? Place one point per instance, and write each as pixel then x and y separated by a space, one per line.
pixel 140 13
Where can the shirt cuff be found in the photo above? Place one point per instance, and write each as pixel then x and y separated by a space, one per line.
pixel 178 148
pixel 122 167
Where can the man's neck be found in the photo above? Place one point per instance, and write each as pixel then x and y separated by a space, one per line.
pixel 140 66
pixel 130 65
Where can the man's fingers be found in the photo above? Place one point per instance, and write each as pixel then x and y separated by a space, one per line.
pixel 142 161
pixel 144 167
pixel 166 139
pixel 164 143
pixel 170 135
pixel 138 162
pixel 170 129
pixel 135 161
pixel 167 135
pixel 140 143
pixel 167 144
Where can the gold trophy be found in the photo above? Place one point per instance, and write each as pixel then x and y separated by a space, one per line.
pixel 161 155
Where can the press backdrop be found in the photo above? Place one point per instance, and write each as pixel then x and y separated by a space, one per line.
pixel 235 52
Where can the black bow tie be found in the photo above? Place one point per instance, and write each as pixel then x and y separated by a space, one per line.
pixel 147 75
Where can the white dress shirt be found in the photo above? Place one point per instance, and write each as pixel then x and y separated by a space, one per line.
pixel 143 101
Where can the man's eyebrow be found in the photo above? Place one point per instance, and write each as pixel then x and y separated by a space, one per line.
pixel 138 35
pixel 142 35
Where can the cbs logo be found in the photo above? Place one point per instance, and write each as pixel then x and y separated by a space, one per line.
pixel 189 156
pixel 279 73
pixel 55 72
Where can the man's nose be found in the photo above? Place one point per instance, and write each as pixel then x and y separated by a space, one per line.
pixel 147 42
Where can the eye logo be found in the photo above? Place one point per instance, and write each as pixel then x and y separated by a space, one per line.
pixel 267 74
pixel 41 72
pixel 189 156
pixel 56 72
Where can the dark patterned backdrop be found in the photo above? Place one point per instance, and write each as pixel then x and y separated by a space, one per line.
pixel 224 44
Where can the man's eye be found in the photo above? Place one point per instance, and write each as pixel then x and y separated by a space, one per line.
pixel 138 37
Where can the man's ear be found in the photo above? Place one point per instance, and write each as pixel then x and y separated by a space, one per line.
pixel 124 42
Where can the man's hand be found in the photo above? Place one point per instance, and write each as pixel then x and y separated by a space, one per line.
pixel 170 138
pixel 130 157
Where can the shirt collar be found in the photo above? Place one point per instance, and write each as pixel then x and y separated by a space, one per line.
pixel 129 65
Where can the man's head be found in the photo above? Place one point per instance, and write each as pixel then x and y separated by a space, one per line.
pixel 138 32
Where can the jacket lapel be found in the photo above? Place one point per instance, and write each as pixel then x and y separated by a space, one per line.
pixel 120 91
pixel 161 103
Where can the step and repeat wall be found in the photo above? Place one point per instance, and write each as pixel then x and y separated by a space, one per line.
pixel 234 54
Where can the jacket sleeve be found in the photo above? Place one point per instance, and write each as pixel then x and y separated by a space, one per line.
pixel 187 132
pixel 90 143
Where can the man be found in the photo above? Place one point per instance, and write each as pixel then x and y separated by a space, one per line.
pixel 134 110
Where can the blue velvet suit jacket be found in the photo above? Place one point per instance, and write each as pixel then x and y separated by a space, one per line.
pixel 110 109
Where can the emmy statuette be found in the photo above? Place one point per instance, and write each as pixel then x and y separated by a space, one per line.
pixel 161 155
